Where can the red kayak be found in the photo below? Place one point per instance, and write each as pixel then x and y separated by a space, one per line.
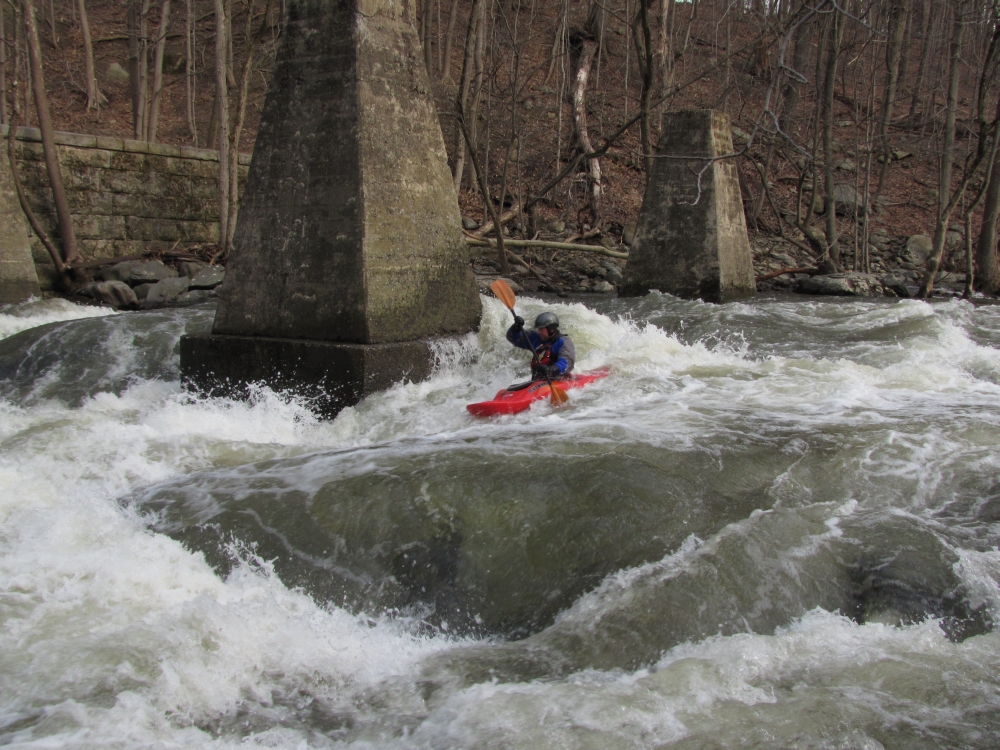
pixel 519 397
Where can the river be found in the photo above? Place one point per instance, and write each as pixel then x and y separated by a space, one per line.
pixel 775 524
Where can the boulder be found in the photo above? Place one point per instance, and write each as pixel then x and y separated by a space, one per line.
pixel 841 285
pixel 468 224
pixel 847 201
pixel 614 276
pixel 117 294
pixel 193 297
pixel 603 287
pixel 150 271
pixel 165 292
pixel 190 268
pixel 142 290
pixel 117 272
pixel 918 249
pixel 628 233
pixel 209 277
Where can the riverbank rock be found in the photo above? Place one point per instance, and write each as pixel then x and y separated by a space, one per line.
pixel 840 285
pixel 116 294
pixel 135 272
pixel 208 277
pixel 918 249
pixel 166 291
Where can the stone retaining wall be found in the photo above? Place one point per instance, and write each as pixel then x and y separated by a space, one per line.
pixel 126 197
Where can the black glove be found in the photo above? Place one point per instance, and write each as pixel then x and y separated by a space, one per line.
pixel 518 323
pixel 553 371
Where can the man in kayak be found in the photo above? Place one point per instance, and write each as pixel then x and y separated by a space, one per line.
pixel 556 353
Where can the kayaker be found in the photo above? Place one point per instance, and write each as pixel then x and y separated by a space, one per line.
pixel 555 351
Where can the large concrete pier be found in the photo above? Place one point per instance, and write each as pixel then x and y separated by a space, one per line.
pixel 348 252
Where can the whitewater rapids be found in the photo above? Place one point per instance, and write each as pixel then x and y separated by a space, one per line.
pixel 775 524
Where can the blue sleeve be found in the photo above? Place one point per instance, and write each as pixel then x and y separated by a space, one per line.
pixel 565 354
pixel 517 338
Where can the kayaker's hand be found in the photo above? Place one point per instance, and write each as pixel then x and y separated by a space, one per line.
pixel 553 371
pixel 518 323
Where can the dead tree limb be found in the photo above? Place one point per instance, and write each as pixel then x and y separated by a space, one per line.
pixel 599 249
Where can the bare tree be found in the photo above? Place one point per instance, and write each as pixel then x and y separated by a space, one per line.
pixel 154 103
pixel 94 96
pixel 63 217
pixel 222 104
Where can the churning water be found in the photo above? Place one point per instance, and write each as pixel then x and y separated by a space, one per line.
pixel 774 525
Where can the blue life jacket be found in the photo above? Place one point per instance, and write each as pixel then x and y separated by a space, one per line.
pixel 558 351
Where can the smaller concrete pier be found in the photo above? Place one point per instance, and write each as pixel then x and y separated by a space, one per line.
pixel 691 239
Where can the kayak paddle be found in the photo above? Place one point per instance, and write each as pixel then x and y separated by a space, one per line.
pixel 505 294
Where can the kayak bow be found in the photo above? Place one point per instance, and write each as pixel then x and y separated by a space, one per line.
pixel 519 397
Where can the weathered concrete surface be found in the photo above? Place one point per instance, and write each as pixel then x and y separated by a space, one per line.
pixel 328 375
pixel 348 250
pixel 350 229
pixel 18 280
pixel 691 240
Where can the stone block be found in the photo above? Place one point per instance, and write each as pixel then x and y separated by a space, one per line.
pixel 83 158
pixel 128 161
pixel 18 279
pixel 122 181
pixel 186 208
pixel 170 230
pixel 79 140
pixel 205 154
pixel 110 143
pixel 80 179
pixel 186 167
pixel 138 147
pixel 691 237
pixel 163 149
pixel 92 226
pixel 30 151
pixel 330 376
pixel 204 187
pixel 90 202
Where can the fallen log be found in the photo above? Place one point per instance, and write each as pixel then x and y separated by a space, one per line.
pixel 600 249
pixel 782 272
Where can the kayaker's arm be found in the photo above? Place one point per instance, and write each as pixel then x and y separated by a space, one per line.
pixel 521 339
pixel 566 356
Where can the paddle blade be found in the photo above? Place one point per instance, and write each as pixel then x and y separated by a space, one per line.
pixel 559 396
pixel 503 293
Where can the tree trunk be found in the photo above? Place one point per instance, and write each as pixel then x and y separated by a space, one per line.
pixel 94 96
pixel 189 71
pixel 222 134
pixel 137 64
pixel 65 221
pixel 947 154
pixel 793 86
pixel 829 81
pixel 448 37
pixel 897 24
pixel 3 67
pixel 644 56
pixel 587 52
pixel 462 102
pixel 916 100
pixel 161 42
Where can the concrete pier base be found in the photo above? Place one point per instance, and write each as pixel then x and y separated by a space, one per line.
pixel 328 376
pixel 691 239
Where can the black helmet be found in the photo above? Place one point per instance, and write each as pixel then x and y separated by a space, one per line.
pixel 547 320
